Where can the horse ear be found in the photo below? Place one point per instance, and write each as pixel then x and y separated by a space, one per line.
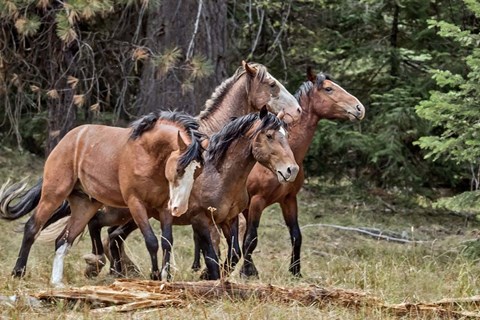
pixel 251 71
pixel 311 76
pixel 263 112
pixel 182 146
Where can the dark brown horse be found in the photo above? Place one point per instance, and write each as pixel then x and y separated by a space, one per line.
pixel 320 98
pixel 97 165
pixel 219 193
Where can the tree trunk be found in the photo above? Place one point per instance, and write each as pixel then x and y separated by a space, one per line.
pixel 197 28
pixel 61 110
pixel 394 61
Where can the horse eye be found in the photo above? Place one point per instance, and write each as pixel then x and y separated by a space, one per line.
pixel 329 89
pixel 269 136
pixel 273 85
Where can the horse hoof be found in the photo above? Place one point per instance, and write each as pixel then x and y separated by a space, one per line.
pixel 249 272
pixel 18 273
pixel 58 285
pixel 196 267
pixel 155 275
pixel 95 263
pixel 204 275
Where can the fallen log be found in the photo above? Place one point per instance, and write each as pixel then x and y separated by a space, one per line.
pixel 129 295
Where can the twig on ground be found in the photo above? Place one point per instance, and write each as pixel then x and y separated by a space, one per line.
pixel 375 233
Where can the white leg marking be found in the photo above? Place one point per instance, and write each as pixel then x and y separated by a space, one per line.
pixel 57 270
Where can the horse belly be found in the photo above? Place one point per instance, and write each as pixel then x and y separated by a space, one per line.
pixel 97 158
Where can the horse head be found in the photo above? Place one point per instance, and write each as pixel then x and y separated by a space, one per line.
pixel 271 149
pixel 331 101
pixel 265 90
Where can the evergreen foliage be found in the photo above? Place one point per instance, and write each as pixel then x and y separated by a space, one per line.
pixel 454 109
pixel 414 64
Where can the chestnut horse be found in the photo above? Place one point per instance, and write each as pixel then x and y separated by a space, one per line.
pixel 320 98
pixel 143 164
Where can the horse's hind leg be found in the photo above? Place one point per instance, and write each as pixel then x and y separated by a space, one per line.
pixel 121 264
pixel 95 260
pixel 83 209
pixel 47 205
pixel 290 215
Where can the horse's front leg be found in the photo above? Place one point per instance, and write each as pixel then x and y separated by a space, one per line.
pixel 202 228
pixel 139 214
pixel 166 221
pixel 230 231
pixel 196 253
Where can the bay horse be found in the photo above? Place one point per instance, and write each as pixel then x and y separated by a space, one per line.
pixel 219 193
pixel 248 90
pixel 320 98
pixel 93 165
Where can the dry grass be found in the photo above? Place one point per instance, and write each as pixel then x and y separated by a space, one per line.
pixel 445 267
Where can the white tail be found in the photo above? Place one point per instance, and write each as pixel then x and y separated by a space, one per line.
pixel 50 233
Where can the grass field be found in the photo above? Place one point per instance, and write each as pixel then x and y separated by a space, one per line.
pixel 446 265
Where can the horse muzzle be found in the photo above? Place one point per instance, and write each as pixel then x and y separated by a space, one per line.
pixel 177 209
pixel 289 174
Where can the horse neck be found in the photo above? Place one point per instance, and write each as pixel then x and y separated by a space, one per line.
pixel 235 103
pixel 160 142
pixel 301 132
pixel 235 166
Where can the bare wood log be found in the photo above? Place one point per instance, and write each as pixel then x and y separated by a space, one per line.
pixel 128 295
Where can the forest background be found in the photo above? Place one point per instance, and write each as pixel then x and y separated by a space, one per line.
pixel 415 65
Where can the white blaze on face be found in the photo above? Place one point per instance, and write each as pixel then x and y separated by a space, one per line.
pixel 179 194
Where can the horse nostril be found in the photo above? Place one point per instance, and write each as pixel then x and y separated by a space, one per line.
pixel 299 110
pixel 289 171
pixel 359 108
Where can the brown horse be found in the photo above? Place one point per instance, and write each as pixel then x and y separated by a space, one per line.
pixel 247 91
pixel 320 98
pixel 219 192
pixel 144 162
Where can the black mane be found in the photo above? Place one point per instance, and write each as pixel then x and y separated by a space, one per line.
pixel 186 121
pixel 238 127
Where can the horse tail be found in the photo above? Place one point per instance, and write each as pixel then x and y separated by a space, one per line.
pixel 28 200
pixel 53 230
pixel 57 222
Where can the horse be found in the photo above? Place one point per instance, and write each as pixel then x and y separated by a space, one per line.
pixel 320 98
pixel 219 193
pixel 248 90
pixel 93 165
